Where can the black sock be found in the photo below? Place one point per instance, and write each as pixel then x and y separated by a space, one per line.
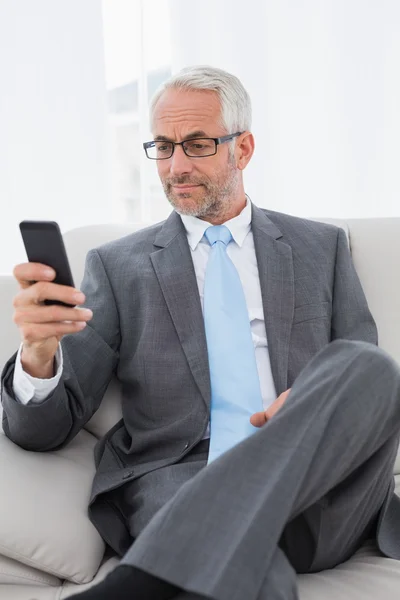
pixel 128 583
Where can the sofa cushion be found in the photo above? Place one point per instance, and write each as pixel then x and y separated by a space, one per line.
pixel 13 572
pixel 64 590
pixel 366 576
pixel 26 592
pixel 43 509
pixel 70 589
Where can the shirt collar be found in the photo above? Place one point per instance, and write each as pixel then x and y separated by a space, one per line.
pixel 238 226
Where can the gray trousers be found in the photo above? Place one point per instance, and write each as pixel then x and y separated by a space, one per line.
pixel 300 495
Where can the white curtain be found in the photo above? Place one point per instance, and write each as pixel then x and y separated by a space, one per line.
pixel 324 77
pixel 53 118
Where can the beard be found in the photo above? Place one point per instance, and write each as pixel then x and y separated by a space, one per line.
pixel 208 201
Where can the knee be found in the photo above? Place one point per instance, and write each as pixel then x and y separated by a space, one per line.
pixel 371 363
pixel 358 361
pixel 367 353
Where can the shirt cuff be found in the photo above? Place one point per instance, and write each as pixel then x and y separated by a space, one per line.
pixel 31 389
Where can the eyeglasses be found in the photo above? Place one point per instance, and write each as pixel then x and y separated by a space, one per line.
pixel 195 148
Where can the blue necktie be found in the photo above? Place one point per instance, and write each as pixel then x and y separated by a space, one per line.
pixel 235 385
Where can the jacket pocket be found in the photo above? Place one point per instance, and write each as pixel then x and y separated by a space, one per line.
pixel 310 312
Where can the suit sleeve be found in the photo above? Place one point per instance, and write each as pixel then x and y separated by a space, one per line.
pixel 351 317
pixel 90 359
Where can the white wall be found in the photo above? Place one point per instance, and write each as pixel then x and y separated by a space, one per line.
pixel 231 38
pixel 53 118
pixel 324 79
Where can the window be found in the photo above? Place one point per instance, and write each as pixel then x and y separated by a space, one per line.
pixel 56 151
pixel 138 59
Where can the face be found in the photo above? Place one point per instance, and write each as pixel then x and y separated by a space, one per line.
pixel 201 187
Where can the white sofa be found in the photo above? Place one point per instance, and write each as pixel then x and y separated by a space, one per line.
pixel 48 547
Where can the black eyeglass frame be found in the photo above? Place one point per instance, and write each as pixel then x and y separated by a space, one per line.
pixel 218 141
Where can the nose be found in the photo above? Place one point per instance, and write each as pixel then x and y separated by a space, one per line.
pixel 180 163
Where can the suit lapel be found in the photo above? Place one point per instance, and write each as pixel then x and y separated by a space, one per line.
pixel 174 269
pixel 275 266
pixel 173 266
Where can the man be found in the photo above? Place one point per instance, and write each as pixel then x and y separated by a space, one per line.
pixel 224 313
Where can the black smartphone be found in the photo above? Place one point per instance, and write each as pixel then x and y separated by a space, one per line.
pixel 44 244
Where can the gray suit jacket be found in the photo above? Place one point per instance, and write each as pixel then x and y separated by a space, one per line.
pixel 148 330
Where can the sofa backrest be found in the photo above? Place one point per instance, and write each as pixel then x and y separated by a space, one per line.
pixel 375 247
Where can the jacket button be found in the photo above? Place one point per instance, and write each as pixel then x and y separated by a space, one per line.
pixel 186 446
pixel 127 475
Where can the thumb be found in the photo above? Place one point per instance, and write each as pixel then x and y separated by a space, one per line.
pixel 258 419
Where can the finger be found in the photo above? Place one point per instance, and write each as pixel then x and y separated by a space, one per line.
pixel 258 419
pixel 36 333
pixel 37 293
pixel 280 402
pixel 26 273
pixel 50 314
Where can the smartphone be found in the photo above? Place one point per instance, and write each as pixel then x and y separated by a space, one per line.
pixel 44 244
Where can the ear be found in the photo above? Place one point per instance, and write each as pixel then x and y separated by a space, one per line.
pixel 244 150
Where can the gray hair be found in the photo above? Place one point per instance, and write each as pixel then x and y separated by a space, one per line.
pixel 234 99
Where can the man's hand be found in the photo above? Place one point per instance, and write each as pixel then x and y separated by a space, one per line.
pixel 42 326
pixel 260 418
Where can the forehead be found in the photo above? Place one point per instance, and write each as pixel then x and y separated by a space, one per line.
pixel 182 111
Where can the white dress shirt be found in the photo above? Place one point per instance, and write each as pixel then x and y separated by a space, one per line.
pixel 242 253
